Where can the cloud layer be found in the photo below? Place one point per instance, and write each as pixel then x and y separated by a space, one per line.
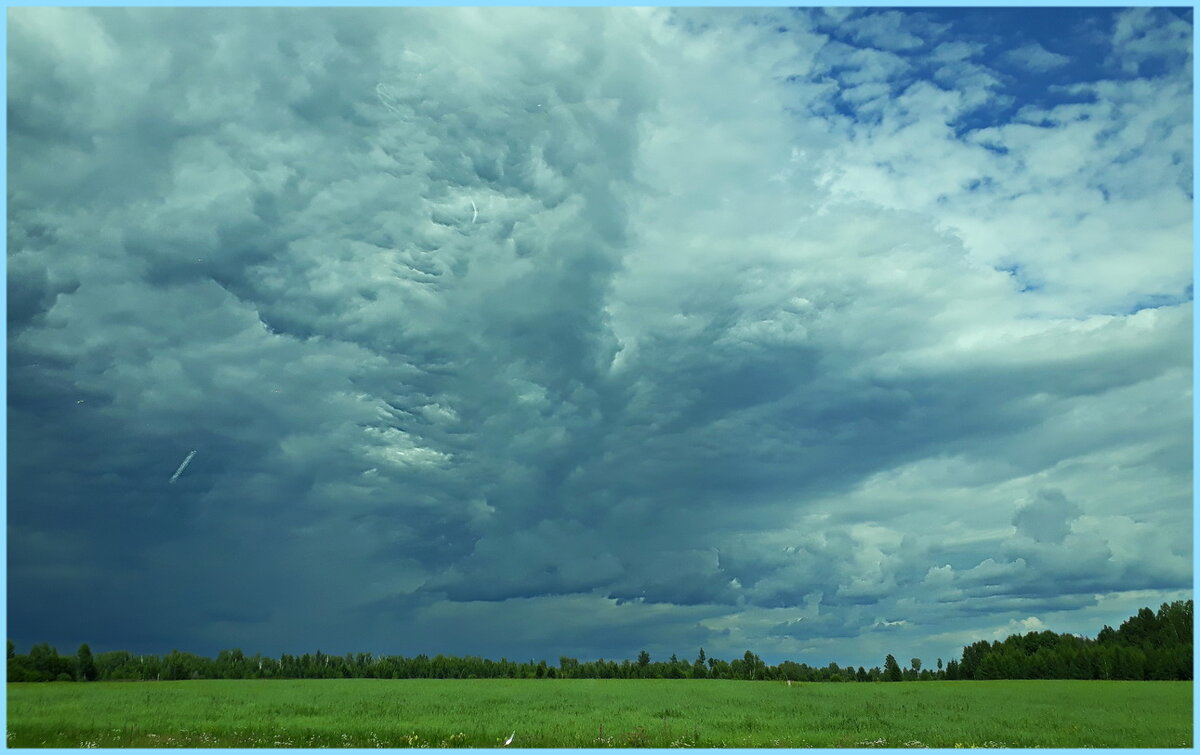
pixel 531 332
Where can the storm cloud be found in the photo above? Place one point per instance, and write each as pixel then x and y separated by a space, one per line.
pixel 530 332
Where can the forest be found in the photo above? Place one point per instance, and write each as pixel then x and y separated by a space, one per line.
pixel 1148 646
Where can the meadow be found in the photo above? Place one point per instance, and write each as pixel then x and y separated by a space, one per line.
pixel 598 713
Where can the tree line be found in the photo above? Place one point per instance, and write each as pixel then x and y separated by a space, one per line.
pixel 1147 646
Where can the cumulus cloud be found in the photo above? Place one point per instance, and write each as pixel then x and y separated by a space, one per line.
pixel 1047 518
pixel 1150 36
pixel 605 328
pixel 1055 185
pixel 952 52
pixel 888 30
pixel 1035 57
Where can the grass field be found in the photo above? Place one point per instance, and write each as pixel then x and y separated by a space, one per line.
pixel 599 713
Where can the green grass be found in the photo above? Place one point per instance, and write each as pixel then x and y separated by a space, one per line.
pixel 599 713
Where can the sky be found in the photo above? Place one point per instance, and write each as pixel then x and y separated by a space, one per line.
pixel 521 333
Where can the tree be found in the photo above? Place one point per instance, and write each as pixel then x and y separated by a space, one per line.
pixel 891 669
pixel 971 656
pixel 1175 623
pixel 991 667
pixel 85 666
pixel 229 664
pixel 1139 630
pixel 47 664
pixel 643 659
pixel 567 667
pixel 916 665
pixel 952 670
pixel 754 666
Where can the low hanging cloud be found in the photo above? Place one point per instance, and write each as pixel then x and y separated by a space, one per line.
pixel 1047 518
pixel 609 328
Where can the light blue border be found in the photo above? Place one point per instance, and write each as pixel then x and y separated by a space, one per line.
pixel 4 361
pixel 586 3
pixel 599 4
pixel 1195 384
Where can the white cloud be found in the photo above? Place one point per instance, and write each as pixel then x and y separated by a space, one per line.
pixel 1142 35
pixel 953 52
pixel 1069 195
pixel 1035 57
pixel 856 65
pixel 886 30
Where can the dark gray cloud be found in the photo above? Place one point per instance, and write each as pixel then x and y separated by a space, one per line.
pixel 594 327
pixel 1046 519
